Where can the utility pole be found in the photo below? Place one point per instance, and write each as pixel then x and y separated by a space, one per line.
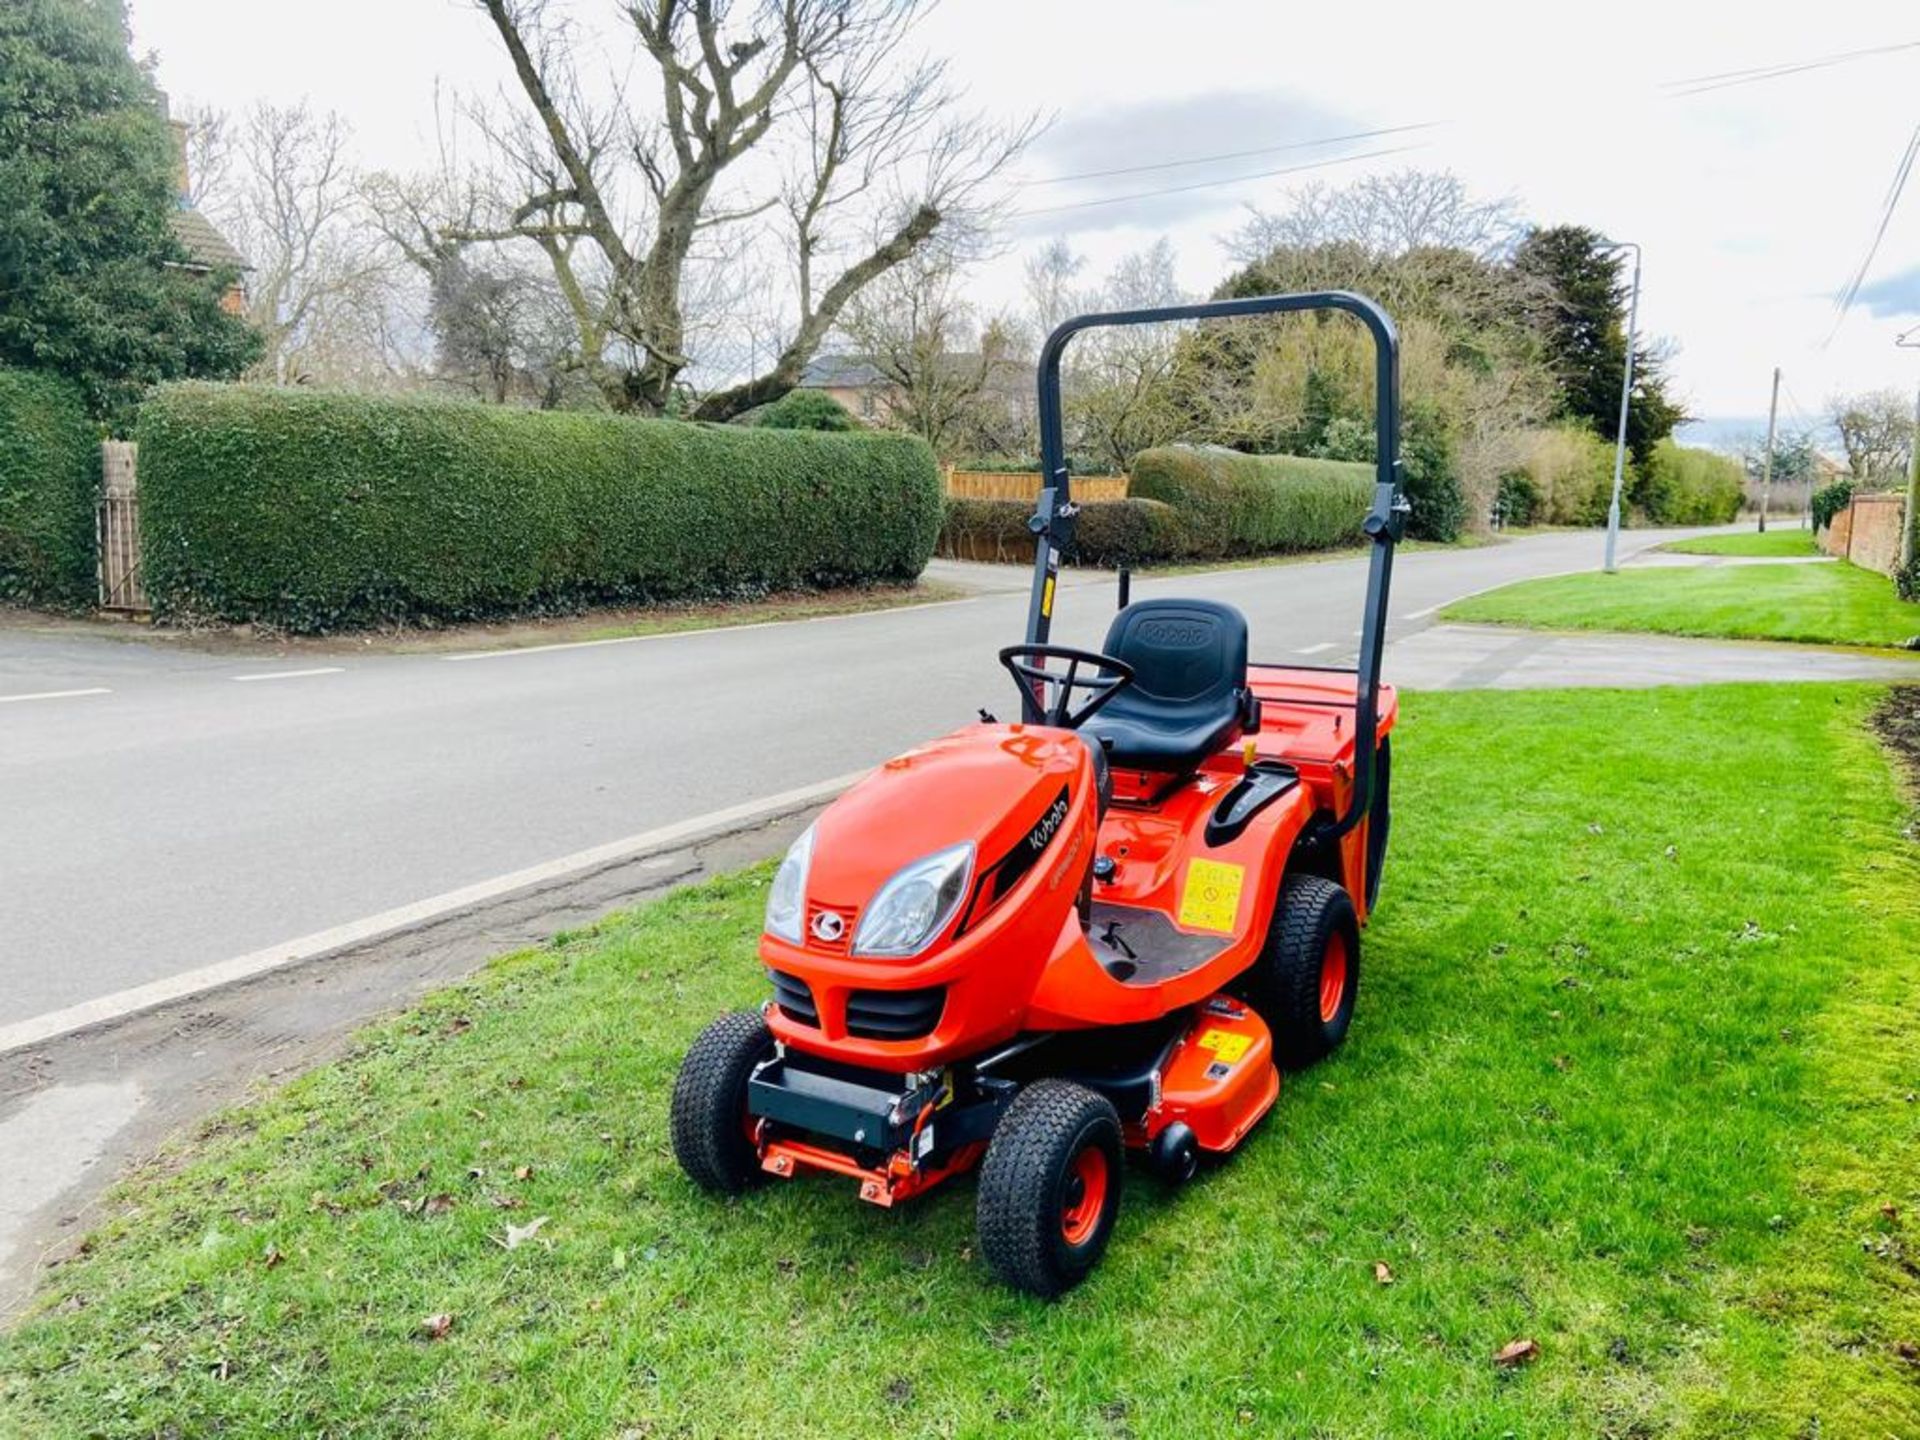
pixel 1626 396
pixel 1766 473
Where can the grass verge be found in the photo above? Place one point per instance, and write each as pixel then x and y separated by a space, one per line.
pixel 1631 1078
pixel 1771 544
pixel 1814 604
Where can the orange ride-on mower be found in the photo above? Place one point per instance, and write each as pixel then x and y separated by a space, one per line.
pixel 1032 948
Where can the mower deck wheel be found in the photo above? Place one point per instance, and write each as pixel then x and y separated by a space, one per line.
pixel 1305 980
pixel 1050 1187
pixel 709 1111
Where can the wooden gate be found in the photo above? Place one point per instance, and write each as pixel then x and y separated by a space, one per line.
pixel 119 528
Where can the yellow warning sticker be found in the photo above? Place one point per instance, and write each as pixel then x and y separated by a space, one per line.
pixel 1046 598
pixel 1212 895
pixel 1226 1045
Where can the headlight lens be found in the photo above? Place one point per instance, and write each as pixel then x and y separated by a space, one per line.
pixel 787 898
pixel 916 904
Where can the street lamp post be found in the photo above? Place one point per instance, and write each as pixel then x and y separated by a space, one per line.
pixel 1626 397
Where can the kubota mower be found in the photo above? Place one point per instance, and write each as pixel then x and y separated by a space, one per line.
pixel 1033 947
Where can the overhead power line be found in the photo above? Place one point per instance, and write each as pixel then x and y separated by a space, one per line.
pixel 1234 154
pixel 1214 184
pixel 1887 207
pixel 1701 84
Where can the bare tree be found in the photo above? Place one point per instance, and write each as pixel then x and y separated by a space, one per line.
pixel 862 157
pixel 281 183
pixel 947 372
pixel 1118 398
pixel 1391 214
pixel 1876 430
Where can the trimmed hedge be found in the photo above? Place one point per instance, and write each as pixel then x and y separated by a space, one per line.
pixel 1233 504
pixel 1108 533
pixel 312 510
pixel 1690 486
pixel 49 489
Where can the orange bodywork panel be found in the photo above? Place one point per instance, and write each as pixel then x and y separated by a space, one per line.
pixel 1218 1080
pixel 1014 957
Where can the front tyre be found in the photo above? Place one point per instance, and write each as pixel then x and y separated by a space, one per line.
pixel 1050 1187
pixel 1308 974
pixel 711 1138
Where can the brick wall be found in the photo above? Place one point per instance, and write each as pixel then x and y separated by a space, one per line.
pixel 1839 533
pixel 1874 539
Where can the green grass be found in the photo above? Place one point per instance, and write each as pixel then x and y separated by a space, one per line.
pixel 1772 543
pixel 1631 1077
pixel 1817 604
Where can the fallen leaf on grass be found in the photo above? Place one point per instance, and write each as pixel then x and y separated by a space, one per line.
pixel 523 1172
pixel 273 1257
pixel 459 1025
pixel 436 1327
pixel 1517 1352
pixel 518 1235
pixel 505 1202
pixel 1383 1272
pixel 436 1204
pixel 1890 1211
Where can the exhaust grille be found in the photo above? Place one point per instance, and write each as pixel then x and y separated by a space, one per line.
pixel 895 1014
pixel 793 997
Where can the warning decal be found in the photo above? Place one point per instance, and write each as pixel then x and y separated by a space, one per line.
pixel 1211 898
pixel 1228 1045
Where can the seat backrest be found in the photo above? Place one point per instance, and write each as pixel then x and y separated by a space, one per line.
pixel 1188 652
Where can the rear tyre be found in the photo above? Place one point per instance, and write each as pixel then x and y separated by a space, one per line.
pixel 1305 980
pixel 1050 1187
pixel 709 1112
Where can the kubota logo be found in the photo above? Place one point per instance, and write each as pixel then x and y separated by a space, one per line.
pixel 827 926
pixel 1174 632
pixel 1042 834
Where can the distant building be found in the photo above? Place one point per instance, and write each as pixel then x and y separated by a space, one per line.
pixel 207 249
pixel 855 382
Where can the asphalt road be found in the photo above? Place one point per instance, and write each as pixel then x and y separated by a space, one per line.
pixel 163 810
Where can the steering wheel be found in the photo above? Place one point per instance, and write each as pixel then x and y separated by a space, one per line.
pixel 1023 662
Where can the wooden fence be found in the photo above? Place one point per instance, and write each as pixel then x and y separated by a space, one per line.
pixel 1025 485
pixel 119 529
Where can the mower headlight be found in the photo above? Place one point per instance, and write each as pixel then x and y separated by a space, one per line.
pixel 916 904
pixel 787 897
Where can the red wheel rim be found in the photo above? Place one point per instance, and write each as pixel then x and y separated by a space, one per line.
pixel 1086 1198
pixel 1333 977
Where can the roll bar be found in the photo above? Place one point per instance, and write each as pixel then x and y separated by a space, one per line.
pixel 1053 515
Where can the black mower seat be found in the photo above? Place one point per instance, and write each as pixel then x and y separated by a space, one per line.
pixel 1189 692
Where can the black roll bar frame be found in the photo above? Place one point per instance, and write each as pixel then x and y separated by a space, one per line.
pixel 1052 519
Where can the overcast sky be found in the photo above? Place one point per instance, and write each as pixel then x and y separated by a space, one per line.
pixel 1755 202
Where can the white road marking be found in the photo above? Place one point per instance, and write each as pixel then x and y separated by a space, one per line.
pixel 511 651
pixel 291 674
pixel 676 836
pixel 1324 645
pixel 1420 614
pixel 54 695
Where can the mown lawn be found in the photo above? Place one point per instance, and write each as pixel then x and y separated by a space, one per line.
pixel 1632 1078
pixel 1772 543
pixel 1835 604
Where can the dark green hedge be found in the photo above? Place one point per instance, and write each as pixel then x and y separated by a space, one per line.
pixel 313 511
pixel 49 488
pixel 1111 533
pixel 1234 504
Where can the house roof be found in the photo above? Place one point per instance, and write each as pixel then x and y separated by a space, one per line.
pixel 206 247
pixel 840 372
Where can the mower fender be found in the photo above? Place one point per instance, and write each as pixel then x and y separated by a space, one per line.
pixel 1219 1078
pixel 1076 990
